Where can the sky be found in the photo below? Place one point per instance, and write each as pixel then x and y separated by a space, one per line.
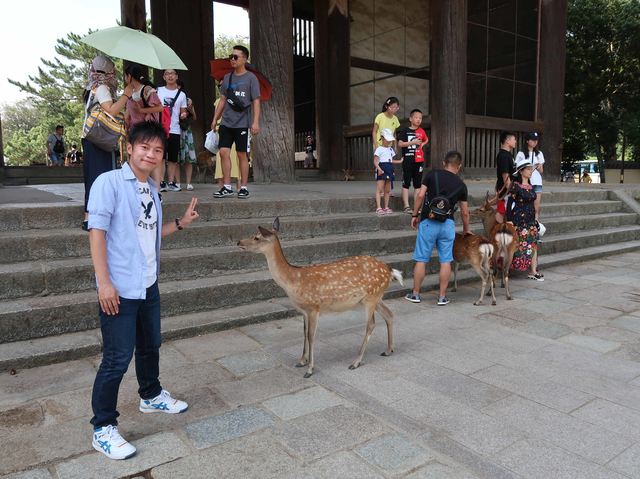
pixel 30 29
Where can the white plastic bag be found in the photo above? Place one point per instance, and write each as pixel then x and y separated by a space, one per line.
pixel 541 229
pixel 211 142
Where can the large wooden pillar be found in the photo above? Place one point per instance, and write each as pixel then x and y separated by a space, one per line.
pixel 134 15
pixel 271 28
pixel 187 27
pixel 332 59
pixel 2 173
pixel 553 28
pixel 448 78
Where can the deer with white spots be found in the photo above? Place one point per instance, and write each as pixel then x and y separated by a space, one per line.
pixel 333 287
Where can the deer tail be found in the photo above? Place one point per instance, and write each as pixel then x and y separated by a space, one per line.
pixel 397 275
pixel 486 249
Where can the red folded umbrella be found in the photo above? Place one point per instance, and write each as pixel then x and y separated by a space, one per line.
pixel 222 66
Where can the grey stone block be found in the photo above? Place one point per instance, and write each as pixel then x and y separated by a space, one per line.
pixel 251 362
pixel 628 462
pixel 343 465
pixel 448 357
pixel 256 456
pixel 276 332
pixel 628 322
pixel 545 329
pixel 613 333
pixel 614 417
pixel 151 452
pixel 440 471
pixel 550 306
pixel 394 454
pixel 214 346
pixel 227 426
pixel 534 458
pixel 257 387
pixel 593 311
pixel 532 294
pixel 322 433
pixel 591 442
pixel 34 474
pixel 589 342
pixel 306 401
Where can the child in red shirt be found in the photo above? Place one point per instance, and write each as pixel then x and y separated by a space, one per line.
pixel 411 140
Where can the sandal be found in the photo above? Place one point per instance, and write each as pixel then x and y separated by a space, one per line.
pixel 380 211
pixel 388 211
pixel 407 209
pixel 537 277
pixel 391 195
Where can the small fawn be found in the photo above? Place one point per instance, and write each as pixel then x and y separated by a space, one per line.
pixel 476 250
pixel 332 287
pixel 503 237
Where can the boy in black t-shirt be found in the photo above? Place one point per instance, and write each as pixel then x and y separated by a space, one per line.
pixel 412 139
pixel 506 166
pixel 432 232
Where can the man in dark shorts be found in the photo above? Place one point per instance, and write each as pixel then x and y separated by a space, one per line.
pixel 238 92
pixel 505 168
pixel 412 139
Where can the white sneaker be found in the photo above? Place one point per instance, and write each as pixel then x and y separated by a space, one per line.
pixel 109 442
pixel 189 186
pixel 163 403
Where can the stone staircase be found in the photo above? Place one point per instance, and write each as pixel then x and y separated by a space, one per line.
pixel 48 303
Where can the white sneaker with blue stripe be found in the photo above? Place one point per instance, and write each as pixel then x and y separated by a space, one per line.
pixel 163 403
pixel 109 442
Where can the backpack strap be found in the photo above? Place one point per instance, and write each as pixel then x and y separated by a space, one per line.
pixel 437 184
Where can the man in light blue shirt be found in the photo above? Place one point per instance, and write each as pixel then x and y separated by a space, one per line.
pixel 126 228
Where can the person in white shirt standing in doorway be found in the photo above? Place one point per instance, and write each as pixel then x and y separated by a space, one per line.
pixel 171 96
pixel 530 152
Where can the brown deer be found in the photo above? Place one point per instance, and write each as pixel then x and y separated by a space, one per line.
pixel 503 237
pixel 205 160
pixel 476 250
pixel 332 287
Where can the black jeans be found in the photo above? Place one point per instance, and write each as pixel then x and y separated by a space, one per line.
pixel 96 161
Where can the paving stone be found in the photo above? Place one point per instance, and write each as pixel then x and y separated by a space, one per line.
pixel 227 426
pixel 588 342
pixel 257 387
pixel 573 321
pixel 445 356
pixel 35 474
pixel 151 451
pixel 275 332
pixel 614 417
pixel 628 322
pixel 612 333
pixel 394 454
pixel 251 362
pixel 628 462
pixel 306 401
pixel 630 352
pixel 183 379
pixel 71 404
pixel 343 465
pixel 532 294
pixel 473 429
pixel 534 458
pixel 216 345
pixel 519 314
pixel 256 456
pixel 591 442
pixel 552 306
pixel 593 311
pixel 21 418
pixel 532 387
pixel 501 320
pixel 440 471
pixel 545 329
pixel 319 434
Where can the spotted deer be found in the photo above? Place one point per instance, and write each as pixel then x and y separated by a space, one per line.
pixel 503 237
pixel 332 287
pixel 477 251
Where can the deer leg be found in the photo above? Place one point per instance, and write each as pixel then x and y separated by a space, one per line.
pixel 505 274
pixel 305 350
pixel 369 309
pixel 483 275
pixel 387 315
pixel 455 277
pixel 312 322
pixel 494 273
pixel 490 277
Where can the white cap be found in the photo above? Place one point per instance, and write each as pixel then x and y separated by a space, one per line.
pixel 387 134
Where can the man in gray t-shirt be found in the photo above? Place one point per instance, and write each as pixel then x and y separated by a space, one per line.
pixel 239 92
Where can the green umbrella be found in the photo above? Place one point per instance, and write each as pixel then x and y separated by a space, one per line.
pixel 135 46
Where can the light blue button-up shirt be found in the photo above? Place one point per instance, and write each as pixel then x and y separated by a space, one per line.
pixel 114 206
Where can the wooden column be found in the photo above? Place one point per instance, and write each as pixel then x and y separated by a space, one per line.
pixel 448 78
pixel 187 27
pixel 134 15
pixel 271 27
pixel 553 27
pixel 332 67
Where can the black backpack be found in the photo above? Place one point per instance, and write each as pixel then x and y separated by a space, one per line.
pixel 59 146
pixel 440 208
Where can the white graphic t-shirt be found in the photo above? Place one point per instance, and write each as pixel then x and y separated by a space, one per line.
pixel 146 229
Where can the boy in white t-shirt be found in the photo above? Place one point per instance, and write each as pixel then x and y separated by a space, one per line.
pixel 383 161
pixel 530 152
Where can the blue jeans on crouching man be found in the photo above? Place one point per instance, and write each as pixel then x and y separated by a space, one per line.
pixel 137 325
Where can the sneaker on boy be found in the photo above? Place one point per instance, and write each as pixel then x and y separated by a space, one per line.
pixel 163 403
pixel 163 186
pixel 174 186
pixel 243 193
pixel 223 192
pixel 109 442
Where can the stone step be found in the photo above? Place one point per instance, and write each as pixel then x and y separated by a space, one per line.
pixel 76 274
pixel 59 243
pixel 76 345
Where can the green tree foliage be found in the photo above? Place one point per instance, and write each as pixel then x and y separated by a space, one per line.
pixel 602 93
pixel 20 121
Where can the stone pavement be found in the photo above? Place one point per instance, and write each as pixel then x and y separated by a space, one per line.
pixel 544 386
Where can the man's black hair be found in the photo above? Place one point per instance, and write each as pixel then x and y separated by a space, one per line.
pixel 415 110
pixel 244 50
pixel 147 130
pixel 453 158
pixel 505 135
pixel 58 127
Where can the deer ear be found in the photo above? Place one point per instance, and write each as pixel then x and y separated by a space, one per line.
pixel 265 232
pixel 276 224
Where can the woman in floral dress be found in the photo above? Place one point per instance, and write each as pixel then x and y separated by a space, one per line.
pixel 521 213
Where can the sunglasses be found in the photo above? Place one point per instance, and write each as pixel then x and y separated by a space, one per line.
pixel 234 57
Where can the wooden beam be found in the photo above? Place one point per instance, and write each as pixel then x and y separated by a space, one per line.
pixel 553 27
pixel 448 78
pixel 491 123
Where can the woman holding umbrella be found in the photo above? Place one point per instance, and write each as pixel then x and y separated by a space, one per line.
pixel 102 86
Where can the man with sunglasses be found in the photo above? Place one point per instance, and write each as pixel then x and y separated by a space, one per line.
pixel 239 91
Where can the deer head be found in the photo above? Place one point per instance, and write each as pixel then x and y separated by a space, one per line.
pixel 486 210
pixel 263 241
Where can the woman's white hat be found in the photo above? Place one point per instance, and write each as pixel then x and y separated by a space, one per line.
pixel 522 163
